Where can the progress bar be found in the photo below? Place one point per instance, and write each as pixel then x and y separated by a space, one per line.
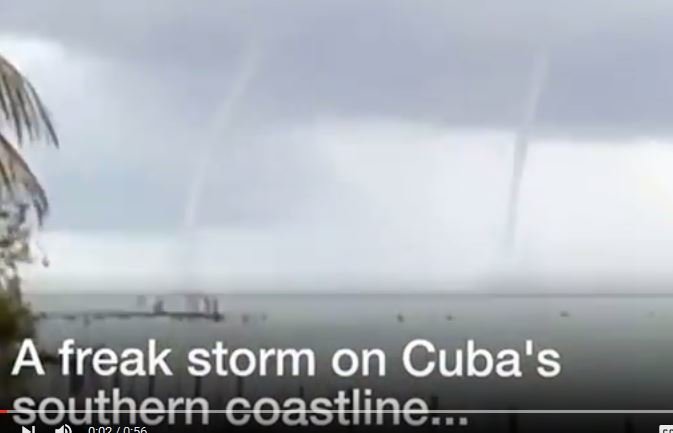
pixel 409 412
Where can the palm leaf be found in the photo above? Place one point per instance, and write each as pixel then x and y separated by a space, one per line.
pixel 18 182
pixel 22 107
pixel 22 111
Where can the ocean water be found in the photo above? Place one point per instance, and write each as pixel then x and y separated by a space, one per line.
pixel 617 350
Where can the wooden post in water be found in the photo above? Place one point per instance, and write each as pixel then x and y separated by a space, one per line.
pixel 513 422
pixel 117 381
pixel 151 381
pixel 198 389
pixel 434 405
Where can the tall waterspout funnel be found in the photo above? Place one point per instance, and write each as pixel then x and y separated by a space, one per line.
pixel 217 133
pixel 222 118
pixel 537 82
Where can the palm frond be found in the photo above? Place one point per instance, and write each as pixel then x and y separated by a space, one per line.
pixel 22 107
pixel 18 182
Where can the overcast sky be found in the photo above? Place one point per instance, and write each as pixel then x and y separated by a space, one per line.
pixel 349 137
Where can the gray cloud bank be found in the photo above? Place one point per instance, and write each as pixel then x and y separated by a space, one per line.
pixel 454 62
pixel 365 138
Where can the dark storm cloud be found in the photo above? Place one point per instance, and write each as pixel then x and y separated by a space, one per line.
pixel 164 68
pixel 450 62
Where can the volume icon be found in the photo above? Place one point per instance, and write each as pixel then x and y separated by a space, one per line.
pixel 65 428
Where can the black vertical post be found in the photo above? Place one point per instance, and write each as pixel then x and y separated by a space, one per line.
pixel 513 422
pixel 197 386
pixel 151 385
